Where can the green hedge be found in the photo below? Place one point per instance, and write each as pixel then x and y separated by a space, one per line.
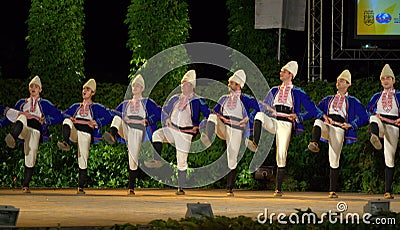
pixel 243 222
pixel 362 167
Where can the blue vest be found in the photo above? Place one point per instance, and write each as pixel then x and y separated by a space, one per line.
pixel 153 115
pixel 299 98
pixel 99 113
pixel 357 116
pixel 197 105
pixel 250 106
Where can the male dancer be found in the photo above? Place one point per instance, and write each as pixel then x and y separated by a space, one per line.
pixel 231 116
pixel 384 109
pixel 31 118
pixel 345 114
pixel 284 103
pixel 83 127
pixel 182 119
pixel 134 121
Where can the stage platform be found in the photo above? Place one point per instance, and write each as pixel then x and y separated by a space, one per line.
pixel 104 208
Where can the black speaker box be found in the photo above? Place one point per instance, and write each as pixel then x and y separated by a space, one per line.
pixel 199 210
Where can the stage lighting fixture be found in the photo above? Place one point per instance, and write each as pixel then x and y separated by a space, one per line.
pixel 199 210
pixel 375 206
pixel 369 46
pixel 8 216
pixel 264 173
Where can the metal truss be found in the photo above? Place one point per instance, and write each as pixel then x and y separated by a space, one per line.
pixel 314 55
pixel 338 49
pixel 339 52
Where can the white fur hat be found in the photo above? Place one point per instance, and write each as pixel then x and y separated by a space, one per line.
pixel 36 81
pixel 239 77
pixel 91 84
pixel 345 75
pixel 292 67
pixel 138 80
pixel 190 76
pixel 386 71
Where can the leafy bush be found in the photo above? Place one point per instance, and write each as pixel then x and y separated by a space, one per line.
pixel 242 222
pixel 55 41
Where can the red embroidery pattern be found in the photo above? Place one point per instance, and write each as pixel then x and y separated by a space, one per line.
pixel 387 100
pixel 283 93
pixel 33 104
pixel 232 100
pixel 338 102
pixel 183 102
pixel 84 110
pixel 135 105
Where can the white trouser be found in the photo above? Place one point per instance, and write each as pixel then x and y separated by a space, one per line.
pixel 133 138
pixel 335 137
pixel 31 139
pixel 390 134
pixel 282 130
pixel 232 136
pixel 83 139
pixel 182 142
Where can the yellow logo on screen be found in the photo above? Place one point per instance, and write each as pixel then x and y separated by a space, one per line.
pixel 369 17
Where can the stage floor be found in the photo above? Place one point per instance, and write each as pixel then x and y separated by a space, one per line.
pixel 62 207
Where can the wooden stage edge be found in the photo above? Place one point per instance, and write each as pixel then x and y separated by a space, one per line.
pixel 52 208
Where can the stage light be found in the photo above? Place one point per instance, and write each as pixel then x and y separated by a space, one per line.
pixel 375 206
pixel 199 210
pixel 369 46
pixel 264 173
pixel 8 216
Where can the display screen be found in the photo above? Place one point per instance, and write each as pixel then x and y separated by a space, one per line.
pixel 377 17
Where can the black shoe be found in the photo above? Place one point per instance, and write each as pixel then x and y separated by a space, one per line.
pixel 205 140
pixel 229 192
pixel 180 192
pixel 153 164
pixel 10 141
pixel 131 192
pixel 277 193
pixel 313 147
pixel 110 139
pixel 26 190
pixel 333 195
pixel 376 142
pixel 251 145
pixel 80 191
pixel 388 195
pixel 64 146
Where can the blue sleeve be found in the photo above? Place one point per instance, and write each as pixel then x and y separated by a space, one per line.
pixel 118 111
pixel 155 112
pixel 2 109
pixel 167 108
pixel 371 106
pixel 218 106
pixel 53 115
pixel 252 104
pixel 19 104
pixel 4 121
pixel 268 101
pixel 323 105
pixel 362 115
pixel 309 105
pixel 204 108
pixel 102 116
pixel 70 112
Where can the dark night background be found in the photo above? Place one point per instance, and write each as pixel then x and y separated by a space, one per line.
pixel 107 58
